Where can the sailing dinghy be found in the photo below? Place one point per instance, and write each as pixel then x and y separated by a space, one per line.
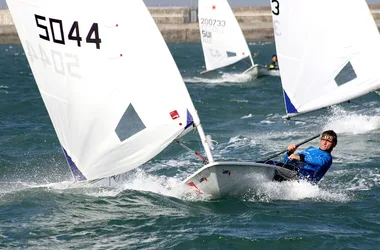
pixel 109 115
pixel 222 39
pixel 329 60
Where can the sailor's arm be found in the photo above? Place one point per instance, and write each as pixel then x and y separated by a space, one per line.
pixel 290 154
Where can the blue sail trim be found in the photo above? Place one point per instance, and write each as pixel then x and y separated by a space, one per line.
pixel 290 109
pixel 76 172
pixel 190 120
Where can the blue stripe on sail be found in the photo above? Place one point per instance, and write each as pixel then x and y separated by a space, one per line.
pixel 190 120
pixel 76 172
pixel 290 109
pixel 230 54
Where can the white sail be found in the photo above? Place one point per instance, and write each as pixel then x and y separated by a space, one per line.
pixel 328 52
pixel 109 83
pixel 222 40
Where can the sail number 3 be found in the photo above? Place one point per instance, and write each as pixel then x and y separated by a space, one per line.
pixel 276 7
pixel 57 33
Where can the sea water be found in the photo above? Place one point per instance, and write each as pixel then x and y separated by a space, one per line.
pixel 151 210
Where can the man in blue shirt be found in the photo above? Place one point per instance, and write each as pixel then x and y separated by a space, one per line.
pixel 312 163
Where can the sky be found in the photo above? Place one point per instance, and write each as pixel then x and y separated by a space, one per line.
pixel 194 2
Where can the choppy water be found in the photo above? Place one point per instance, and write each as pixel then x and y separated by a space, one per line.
pixel 150 210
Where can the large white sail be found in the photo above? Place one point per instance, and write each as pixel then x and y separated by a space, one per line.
pixel 222 40
pixel 328 52
pixel 109 83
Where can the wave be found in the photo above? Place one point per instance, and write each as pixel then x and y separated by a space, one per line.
pixel 339 186
pixel 352 122
pixel 223 78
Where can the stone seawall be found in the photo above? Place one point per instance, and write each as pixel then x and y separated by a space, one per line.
pixel 179 24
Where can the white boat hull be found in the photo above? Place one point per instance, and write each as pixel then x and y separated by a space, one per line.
pixel 266 72
pixel 252 72
pixel 223 179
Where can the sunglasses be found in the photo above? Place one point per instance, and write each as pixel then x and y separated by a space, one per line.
pixel 328 138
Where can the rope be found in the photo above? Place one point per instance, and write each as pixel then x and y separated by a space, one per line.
pixel 246 62
pixel 200 156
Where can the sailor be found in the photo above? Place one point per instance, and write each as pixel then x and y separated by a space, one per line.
pixel 312 163
pixel 274 64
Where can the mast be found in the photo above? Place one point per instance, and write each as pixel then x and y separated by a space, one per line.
pixel 205 144
pixel 250 57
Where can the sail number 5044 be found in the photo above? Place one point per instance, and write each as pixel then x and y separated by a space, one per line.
pixel 58 34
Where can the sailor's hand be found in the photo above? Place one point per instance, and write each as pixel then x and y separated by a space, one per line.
pixel 255 54
pixel 292 148
pixel 294 157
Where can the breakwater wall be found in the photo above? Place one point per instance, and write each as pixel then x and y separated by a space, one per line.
pixel 180 24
